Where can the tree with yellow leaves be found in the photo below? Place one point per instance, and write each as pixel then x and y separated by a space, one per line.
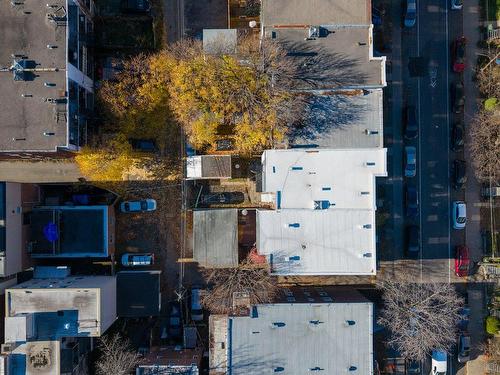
pixel 242 96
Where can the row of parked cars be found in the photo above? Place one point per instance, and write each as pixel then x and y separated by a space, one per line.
pixel 410 16
pixel 439 358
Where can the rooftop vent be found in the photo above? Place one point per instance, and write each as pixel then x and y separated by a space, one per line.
pixel 367 226
pixel 278 324
pixel 279 369
pixel 364 193
pixel 371 132
pixel 350 322
pixel 322 205
pixel 370 164
pixel 292 258
pixel 367 255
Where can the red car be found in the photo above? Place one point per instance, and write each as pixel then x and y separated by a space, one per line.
pixel 459 54
pixel 462 261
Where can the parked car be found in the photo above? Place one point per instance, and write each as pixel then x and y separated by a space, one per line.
pixel 462 261
pixel 459 54
pixel 175 321
pixel 459 214
pixel 458 97
pixel 234 197
pixel 411 201
pixel 411 13
pixel 144 205
pixel 464 314
pixel 439 362
pixel 457 4
pixel 411 129
pixel 137 259
pixel 413 242
pixel 410 161
pixel 457 138
pixel 196 309
pixel 463 348
pixel 459 176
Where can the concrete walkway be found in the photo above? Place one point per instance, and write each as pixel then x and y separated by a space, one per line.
pixel 471 22
pixel 40 171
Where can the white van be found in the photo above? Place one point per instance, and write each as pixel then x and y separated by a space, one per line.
pixel 196 309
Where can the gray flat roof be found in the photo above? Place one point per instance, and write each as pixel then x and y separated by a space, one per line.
pixel 341 57
pixel 27 118
pixel 316 12
pixel 300 337
pixel 342 119
pixel 215 237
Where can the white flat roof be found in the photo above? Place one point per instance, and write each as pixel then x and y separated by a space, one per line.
pixel 324 222
pixel 318 242
pixel 346 178
pixel 301 337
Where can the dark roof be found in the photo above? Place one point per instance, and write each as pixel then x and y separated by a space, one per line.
pixel 215 237
pixel 78 232
pixel 138 294
pixel 26 31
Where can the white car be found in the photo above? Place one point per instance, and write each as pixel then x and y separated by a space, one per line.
pixel 459 214
pixel 138 206
pixel 410 161
pixel 439 362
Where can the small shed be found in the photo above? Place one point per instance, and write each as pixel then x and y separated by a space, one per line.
pixel 138 293
pixel 209 166
pixel 215 237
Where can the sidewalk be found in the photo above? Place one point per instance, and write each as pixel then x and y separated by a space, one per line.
pixel 471 22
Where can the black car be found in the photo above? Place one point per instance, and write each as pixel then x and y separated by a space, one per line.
pixel 411 130
pixel 458 97
pixel 233 197
pixel 411 201
pixel 457 137
pixel 459 176
pixel 413 241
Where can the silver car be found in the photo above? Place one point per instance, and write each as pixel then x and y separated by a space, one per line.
pixel 138 206
pixel 459 215
pixel 410 161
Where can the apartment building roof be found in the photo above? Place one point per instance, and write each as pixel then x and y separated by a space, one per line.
pixel 324 217
pixel 342 119
pixel 295 339
pixel 316 12
pixel 34 102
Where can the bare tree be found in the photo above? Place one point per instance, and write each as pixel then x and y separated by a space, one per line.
pixel 485 144
pixel 117 356
pixel 250 279
pixel 488 75
pixel 419 316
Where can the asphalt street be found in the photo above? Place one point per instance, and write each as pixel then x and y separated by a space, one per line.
pixel 426 53
pixel 426 77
